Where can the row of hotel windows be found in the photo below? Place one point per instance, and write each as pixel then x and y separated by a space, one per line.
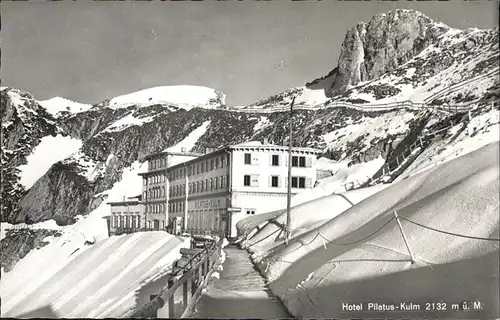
pixel 297 161
pixel 222 183
pixel 158 163
pixel 252 180
pixel 158 178
pixel 126 221
pixel 194 187
pixel 160 207
pixel 201 167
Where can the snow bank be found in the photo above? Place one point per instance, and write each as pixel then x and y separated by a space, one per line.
pixel 358 255
pixel 127 121
pixel 189 142
pixel 49 151
pixel 58 104
pixel 77 282
pixel 183 94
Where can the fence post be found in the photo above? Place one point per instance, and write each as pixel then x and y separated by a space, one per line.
pixel 421 144
pixel 193 281
pixel 171 301
pixel 404 236
pixel 185 294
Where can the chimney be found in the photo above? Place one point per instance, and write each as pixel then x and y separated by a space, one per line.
pixel 266 141
pixel 209 150
pixel 183 149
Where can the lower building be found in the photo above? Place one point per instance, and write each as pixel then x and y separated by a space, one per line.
pixel 126 217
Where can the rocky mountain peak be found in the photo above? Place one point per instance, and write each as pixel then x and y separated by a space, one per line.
pixel 381 45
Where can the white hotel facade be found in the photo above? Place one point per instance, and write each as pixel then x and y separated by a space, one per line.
pixel 210 193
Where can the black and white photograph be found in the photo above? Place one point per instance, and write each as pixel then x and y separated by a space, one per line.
pixel 250 159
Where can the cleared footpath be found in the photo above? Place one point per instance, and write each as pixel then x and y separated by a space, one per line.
pixel 241 292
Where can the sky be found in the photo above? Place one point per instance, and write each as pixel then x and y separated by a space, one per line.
pixel 90 51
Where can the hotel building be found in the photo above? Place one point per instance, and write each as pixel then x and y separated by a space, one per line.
pixel 211 193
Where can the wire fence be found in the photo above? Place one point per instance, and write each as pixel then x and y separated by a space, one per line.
pixel 395 217
pixel 460 85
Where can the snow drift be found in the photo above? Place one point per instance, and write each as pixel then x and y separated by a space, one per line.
pixel 84 284
pixel 358 255
pixel 182 94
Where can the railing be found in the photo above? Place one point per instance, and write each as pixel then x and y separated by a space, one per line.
pixel 460 85
pixel 398 105
pixel 402 158
pixel 192 277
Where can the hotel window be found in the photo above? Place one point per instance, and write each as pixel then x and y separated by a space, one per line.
pixel 202 167
pixel 248 158
pixel 246 180
pixel 221 161
pixel 211 184
pixel 145 181
pixel 302 182
pixel 298 161
pixel 302 162
pixel 274 181
pixel 212 164
pixel 222 182
pixel 275 160
pixel 294 182
pixel 138 221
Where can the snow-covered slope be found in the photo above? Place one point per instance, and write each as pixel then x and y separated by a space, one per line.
pixel 183 95
pixel 353 251
pixel 59 104
pixel 49 151
pixel 77 282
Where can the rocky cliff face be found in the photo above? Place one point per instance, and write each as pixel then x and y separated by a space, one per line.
pixel 24 123
pixel 386 42
pixel 18 243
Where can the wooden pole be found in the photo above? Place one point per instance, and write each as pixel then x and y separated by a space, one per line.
pixel 289 191
pixel 404 236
